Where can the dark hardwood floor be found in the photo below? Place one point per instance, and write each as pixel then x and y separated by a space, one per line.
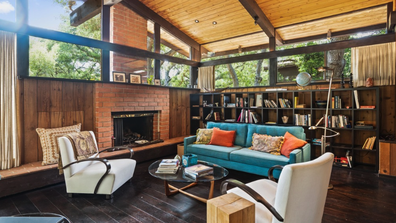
pixel 357 197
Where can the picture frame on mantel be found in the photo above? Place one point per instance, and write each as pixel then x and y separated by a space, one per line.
pixel 157 82
pixel 135 79
pixel 119 77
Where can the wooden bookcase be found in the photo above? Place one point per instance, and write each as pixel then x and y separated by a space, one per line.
pixel 352 137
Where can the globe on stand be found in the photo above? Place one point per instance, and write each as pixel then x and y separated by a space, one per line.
pixel 303 79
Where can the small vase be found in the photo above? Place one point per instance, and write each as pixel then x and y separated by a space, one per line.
pixel 285 119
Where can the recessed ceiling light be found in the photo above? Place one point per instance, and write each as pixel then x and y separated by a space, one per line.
pixel 196 21
pixel 214 22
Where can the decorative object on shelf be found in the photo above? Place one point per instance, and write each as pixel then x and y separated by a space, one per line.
pixel 285 119
pixel 204 103
pixel 189 160
pixel 135 79
pixel 118 76
pixel 321 103
pixel 214 91
pixel 157 82
pixel 303 79
pixel 369 82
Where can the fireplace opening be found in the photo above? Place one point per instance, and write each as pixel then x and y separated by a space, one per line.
pixel 134 128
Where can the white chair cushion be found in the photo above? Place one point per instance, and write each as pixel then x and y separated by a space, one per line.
pixel 267 189
pixel 86 179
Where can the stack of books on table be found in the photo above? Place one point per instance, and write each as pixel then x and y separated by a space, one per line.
pixel 198 170
pixel 168 166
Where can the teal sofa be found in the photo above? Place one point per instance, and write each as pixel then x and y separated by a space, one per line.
pixel 240 157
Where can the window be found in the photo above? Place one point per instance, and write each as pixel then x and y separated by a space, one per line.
pixel 7 10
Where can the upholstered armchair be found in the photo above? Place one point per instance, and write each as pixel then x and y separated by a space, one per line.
pixel 299 195
pixel 93 175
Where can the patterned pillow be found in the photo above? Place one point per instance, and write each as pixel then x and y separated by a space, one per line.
pixel 267 143
pixel 203 136
pixel 49 141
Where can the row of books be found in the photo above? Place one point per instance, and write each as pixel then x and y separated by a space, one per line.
pixel 284 103
pixel 247 116
pixel 340 121
pixel 168 166
pixel 303 120
pixel 369 143
pixel 270 103
pixel 215 115
pixel 336 102
pixel 344 161
pixel 198 170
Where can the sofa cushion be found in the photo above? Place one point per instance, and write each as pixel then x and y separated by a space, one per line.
pixel 241 130
pixel 257 158
pixel 203 136
pixel 297 131
pixel 222 138
pixel 291 143
pixel 219 152
pixel 266 143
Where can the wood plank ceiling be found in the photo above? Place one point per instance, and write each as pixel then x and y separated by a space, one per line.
pixel 236 29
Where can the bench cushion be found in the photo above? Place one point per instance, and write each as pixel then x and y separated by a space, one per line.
pixel 241 130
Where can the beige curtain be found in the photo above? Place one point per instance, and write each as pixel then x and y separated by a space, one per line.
pixel 376 61
pixel 9 148
pixel 206 78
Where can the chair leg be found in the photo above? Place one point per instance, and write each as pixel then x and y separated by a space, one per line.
pixel 109 196
pixel 70 195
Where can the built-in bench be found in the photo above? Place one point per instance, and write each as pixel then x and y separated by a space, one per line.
pixel 34 175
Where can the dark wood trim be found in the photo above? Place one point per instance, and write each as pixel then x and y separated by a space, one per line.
pixel 335 34
pixel 195 55
pixel 261 19
pixel 157 49
pixel 233 37
pixel 147 13
pixel 332 16
pixel 86 11
pixel 105 37
pixel 22 40
pixel 170 45
pixel 247 49
pixel 387 38
pixel 83 41
pixel 273 63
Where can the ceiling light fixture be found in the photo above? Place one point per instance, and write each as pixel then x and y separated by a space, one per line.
pixel 214 23
pixel 196 21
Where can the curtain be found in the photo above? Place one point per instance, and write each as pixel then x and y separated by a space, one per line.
pixel 376 61
pixel 206 78
pixel 9 148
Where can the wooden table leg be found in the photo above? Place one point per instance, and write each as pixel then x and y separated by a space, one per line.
pixel 175 190
pixel 211 190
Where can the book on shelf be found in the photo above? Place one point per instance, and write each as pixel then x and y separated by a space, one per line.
pixel 217 116
pixel 295 101
pixel 196 117
pixel 301 106
pixel 349 158
pixel 355 93
pixel 302 120
pixel 369 143
pixel 209 116
pixel 367 106
pixel 251 102
pixel 274 104
pixel 259 100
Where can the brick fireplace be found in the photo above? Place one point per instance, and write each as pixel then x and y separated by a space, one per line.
pixel 120 98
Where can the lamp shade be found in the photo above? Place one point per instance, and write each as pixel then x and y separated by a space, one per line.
pixel 303 79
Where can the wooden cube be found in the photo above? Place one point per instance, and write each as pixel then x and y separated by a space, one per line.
pixel 230 208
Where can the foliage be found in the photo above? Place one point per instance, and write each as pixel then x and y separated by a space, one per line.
pixel 48 58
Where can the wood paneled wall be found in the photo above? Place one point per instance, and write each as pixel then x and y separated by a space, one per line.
pixel 179 111
pixel 51 104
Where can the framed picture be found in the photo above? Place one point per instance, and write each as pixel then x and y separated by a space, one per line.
pixel 135 79
pixel 157 82
pixel 118 76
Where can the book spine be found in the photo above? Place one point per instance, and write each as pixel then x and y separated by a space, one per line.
pixel 295 101
pixel 355 93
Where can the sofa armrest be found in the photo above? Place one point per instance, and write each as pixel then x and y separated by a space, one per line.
pixel 189 140
pixel 302 154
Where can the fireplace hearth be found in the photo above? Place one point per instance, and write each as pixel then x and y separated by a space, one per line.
pixel 133 128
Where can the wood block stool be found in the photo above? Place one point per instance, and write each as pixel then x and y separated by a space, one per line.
pixel 230 208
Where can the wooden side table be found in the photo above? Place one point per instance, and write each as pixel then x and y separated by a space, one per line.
pixel 230 208
pixel 387 158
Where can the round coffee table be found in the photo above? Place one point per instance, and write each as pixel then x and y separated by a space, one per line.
pixel 218 173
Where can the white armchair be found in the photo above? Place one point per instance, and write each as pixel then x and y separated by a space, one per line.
pixel 94 175
pixel 299 195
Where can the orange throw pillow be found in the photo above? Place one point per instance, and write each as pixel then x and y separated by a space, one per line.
pixel 291 143
pixel 222 137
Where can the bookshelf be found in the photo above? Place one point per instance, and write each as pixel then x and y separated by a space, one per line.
pixel 305 110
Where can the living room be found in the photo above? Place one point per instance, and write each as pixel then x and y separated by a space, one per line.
pixel 172 64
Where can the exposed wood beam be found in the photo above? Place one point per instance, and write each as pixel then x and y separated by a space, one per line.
pixel 387 38
pixel 335 34
pixel 170 45
pixel 147 13
pixel 83 41
pixel 157 49
pixel 233 37
pixel 261 19
pixel 246 49
pixel 391 18
pixel 86 11
pixel 273 63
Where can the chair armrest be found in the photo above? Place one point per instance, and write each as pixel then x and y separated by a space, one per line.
pixel 302 154
pixel 112 149
pixel 250 192
pixel 189 140
pixel 271 171
pixel 104 161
